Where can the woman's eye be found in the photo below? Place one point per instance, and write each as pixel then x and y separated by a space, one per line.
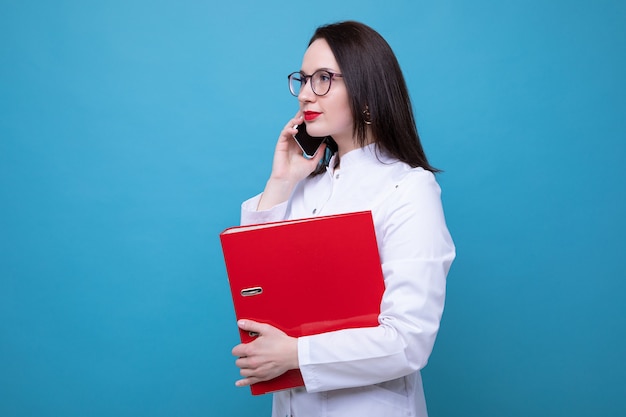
pixel 324 77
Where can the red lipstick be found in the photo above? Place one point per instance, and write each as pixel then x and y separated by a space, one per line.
pixel 310 115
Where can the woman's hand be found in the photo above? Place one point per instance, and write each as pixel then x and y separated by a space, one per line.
pixel 289 166
pixel 271 354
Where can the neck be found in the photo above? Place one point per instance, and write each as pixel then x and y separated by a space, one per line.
pixel 347 144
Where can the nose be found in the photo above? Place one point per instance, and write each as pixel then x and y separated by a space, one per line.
pixel 306 93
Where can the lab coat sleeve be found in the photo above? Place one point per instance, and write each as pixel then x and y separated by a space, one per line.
pixel 250 215
pixel 416 253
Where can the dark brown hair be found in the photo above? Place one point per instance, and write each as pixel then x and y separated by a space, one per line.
pixel 377 90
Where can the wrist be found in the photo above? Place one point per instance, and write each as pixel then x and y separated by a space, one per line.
pixel 280 182
pixel 277 190
pixel 295 362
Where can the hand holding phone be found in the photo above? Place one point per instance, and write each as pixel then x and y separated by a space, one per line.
pixel 309 144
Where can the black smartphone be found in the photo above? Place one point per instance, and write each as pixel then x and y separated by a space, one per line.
pixel 309 144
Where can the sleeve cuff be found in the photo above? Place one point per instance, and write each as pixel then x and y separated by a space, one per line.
pixel 250 215
pixel 311 381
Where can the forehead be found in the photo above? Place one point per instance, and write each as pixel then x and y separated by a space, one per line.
pixel 317 56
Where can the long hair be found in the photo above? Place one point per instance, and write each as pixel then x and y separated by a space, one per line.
pixel 379 98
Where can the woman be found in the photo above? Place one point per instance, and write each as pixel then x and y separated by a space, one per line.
pixel 351 88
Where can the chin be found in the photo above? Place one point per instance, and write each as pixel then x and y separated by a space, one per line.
pixel 313 131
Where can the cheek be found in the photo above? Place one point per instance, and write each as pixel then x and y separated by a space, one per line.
pixel 344 117
pixel 340 110
pixel 343 112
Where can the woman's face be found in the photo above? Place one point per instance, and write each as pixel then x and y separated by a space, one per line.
pixel 329 114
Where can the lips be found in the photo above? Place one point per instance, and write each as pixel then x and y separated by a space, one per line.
pixel 311 115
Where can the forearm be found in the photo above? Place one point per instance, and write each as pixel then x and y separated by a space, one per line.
pixel 353 360
pixel 276 191
pixel 410 314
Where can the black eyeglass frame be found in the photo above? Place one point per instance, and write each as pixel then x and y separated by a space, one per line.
pixel 305 79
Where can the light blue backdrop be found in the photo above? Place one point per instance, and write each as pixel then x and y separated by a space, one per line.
pixel 130 131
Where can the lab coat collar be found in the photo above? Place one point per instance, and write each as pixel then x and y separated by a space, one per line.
pixel 366 155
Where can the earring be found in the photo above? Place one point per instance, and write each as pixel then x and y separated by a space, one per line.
pixel 367 118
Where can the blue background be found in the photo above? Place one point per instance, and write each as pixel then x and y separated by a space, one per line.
pixel 130 131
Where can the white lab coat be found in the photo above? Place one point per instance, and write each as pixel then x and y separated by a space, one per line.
pixel 374 371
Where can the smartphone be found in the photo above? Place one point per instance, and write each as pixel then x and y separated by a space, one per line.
pixel 309 144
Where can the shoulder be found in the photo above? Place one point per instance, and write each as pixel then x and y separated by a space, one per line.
pixel 410 219
pixel 418 180
pixel 401 172
pixel 407 180
pixel 415 196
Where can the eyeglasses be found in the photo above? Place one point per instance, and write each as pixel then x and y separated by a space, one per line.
pixel 320 81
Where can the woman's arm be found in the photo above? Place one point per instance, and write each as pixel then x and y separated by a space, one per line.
pixel 288 168
pixel 273 353
pixel 416 253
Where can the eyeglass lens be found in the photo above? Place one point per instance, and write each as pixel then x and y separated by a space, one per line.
pixel 320 82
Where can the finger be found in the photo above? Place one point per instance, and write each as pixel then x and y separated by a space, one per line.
pixel 240 351
pixel 248 373
pixel 299 116
pixel 243 363
pixel 246 381
pixel 296 120
pixel 290 129
pixel 251 326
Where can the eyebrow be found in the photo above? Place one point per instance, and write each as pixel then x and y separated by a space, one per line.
pixel 320 69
